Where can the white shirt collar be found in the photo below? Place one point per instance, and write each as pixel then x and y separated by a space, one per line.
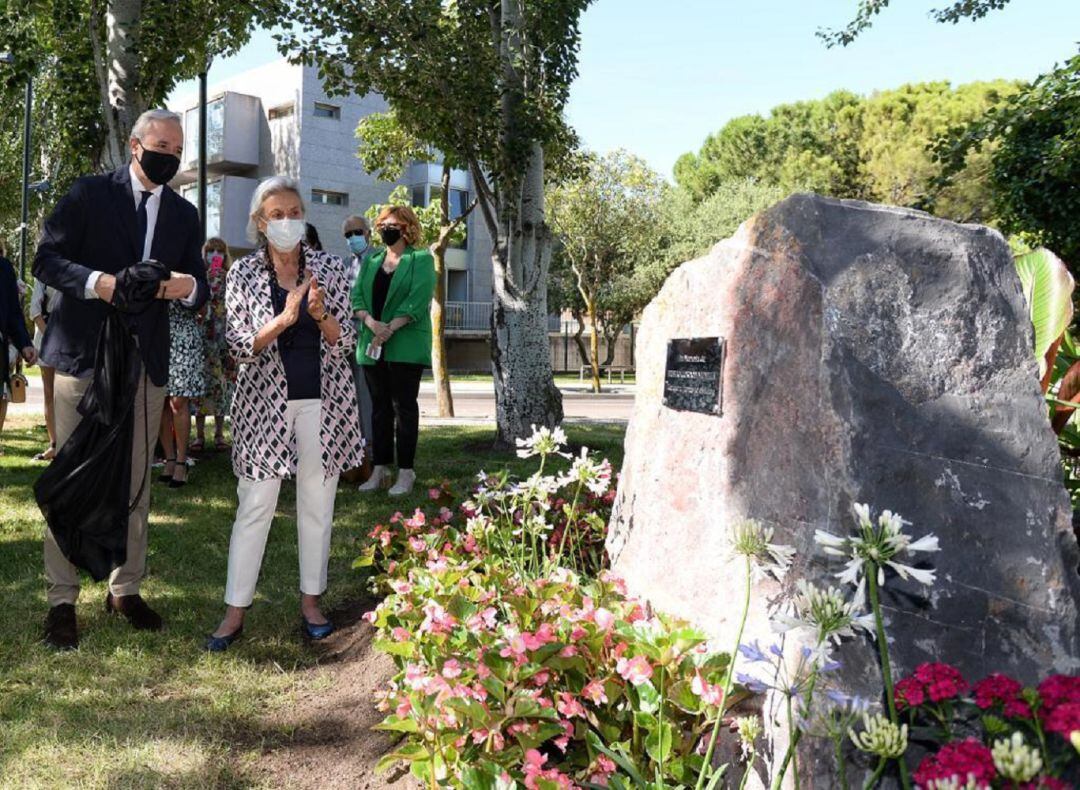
pixel 137 188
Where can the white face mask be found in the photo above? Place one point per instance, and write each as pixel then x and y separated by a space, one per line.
pixel 285 234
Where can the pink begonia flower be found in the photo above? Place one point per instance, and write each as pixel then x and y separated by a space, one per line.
pixel 482 670
pixel 568 652
pixel 417 544
pixel 392 566
pixel 616 581
pixel 401 634
pixel 540 678
pixel 570 707
pixel 635 670
pixel 620 648
pixel 604 619
pixel 446 514
pixel 418 519
pixel 438 565
pixel 434 493
pixel 397 517
pixel 711 694
pixel 594 690
pixel 415 677
pixel 479 736
pixel 635 615
pixel 436 620
pixel 452 668
pixel 403 709
pixel 515 649
pixel 400 586
pixel 386 539
pixel 543 635
pixel 470 543
pixel 371 616
pixel 578 633
pixel 498 742
pixel 479 693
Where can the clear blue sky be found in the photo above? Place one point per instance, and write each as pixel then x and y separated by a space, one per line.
pixel 657 77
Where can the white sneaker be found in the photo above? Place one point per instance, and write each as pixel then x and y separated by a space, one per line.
pixel 404 484
pixel 379 476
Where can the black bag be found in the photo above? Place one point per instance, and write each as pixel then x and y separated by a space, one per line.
pixel 84 492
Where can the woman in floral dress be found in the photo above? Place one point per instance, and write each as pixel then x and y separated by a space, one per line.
pixel 220 371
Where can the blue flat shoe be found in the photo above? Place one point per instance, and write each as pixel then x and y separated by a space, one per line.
pixel 316 632
pixel 219 644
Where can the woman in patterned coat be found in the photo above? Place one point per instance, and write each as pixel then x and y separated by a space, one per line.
pixel 294 409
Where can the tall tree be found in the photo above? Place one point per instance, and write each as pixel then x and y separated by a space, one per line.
pixel 484 81
pixel 387 149
pixel 606 218
pixel 1033 141
pixel 869 9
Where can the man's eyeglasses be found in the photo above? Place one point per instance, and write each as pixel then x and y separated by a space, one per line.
pixel 350 233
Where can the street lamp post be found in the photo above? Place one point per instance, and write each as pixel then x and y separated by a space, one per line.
pixel 9 59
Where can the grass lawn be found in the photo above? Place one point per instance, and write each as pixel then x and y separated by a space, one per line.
pixel 132 709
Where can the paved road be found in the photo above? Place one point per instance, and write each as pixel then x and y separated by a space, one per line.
pixel 473 402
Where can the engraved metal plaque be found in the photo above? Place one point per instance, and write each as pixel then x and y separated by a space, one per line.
pixel 693 378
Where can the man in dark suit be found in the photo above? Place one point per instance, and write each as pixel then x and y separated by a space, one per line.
pixel 104 224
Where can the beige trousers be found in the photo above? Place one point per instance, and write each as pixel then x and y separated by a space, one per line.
pixel 62 578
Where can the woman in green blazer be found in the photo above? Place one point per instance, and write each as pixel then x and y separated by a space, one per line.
pixel 392 299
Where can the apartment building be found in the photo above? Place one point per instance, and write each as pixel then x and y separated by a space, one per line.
pixel 278 120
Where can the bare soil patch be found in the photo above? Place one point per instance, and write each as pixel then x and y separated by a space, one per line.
pixel 324 739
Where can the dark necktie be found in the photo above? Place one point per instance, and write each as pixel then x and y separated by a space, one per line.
pixel 141 216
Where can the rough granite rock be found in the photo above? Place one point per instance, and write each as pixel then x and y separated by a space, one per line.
pixel 877 355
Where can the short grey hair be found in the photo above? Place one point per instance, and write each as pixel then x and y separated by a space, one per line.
pixel 355 218
pixel 267 188
pixel 142 125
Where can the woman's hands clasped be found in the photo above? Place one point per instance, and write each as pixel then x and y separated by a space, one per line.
pixel 316 303
pixel 291 313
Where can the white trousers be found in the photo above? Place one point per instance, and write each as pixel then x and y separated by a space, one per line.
pixel 314 513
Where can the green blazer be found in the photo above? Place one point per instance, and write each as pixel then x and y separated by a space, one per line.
pixel 410 294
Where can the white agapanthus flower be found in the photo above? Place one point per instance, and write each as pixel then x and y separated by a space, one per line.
pixel 749 729
pixel 956 783
pixel 880 544
pixel 543 442
pixel 596 477
pixel 826 613
pixel 1015 759
pixel 753 540
pixel 880 736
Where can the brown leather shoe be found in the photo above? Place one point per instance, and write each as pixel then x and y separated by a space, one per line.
pixel 135 609
pixel 61 631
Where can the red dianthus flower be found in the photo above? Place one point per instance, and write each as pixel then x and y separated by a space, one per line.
pixel 963 760
pixel 909 693
pixel 1063 719
pixel 1057 689
pixel 941 681
pixel 998 688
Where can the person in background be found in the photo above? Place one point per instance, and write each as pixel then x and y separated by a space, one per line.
pixel 357 235
pixel 187 380
pixel 13 334
pixel 392 297
pixel 311 237
pixel 103 225
pixel 220 372
pixel 43 301
pixel 294 410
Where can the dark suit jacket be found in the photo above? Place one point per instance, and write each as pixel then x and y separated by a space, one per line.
pixel 12 320
pixel 94 228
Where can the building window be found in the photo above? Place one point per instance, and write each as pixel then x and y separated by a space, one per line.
pixel 213 204
pixel 281 111
pixel 324 110
pixel 457 286
pixel 459 200
pixel 327 198
pixel 215 132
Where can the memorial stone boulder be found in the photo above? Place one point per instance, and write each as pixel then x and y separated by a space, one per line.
pixel 835 352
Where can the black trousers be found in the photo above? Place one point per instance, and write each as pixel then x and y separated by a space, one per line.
pixel 394 388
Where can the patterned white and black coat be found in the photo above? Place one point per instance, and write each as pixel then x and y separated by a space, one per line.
pixel 263 448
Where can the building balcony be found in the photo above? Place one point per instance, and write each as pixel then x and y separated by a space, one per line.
pixel 232 136
pixel 228 200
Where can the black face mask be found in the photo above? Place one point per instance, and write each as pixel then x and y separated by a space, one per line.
pixel 390 236
pixel 158 167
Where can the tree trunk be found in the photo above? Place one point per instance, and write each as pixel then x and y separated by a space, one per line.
pixel 583 349
pixel 525 391
pixel 124 102
pixel 612 339
pixel 439 371
pixel 594 344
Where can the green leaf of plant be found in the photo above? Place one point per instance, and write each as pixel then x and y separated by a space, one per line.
pixel 658 743
pixel 394 724
pixel 616 754
pixel 1048 288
